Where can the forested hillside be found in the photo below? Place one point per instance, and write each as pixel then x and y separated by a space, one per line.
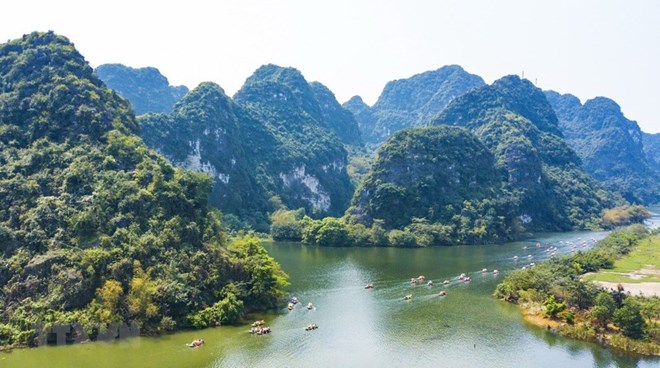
pixel 96 227
pixel 610 145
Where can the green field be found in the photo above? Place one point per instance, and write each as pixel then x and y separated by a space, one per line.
pixel 641 265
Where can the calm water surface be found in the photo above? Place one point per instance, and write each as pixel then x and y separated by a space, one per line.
pixel 370 328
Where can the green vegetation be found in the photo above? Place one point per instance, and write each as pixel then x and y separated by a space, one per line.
pixel 145 88
pixel 624 321
pixel 652 150
pixel 278 144
pixel 609 145
pixel 410 102
pixel 626 215
pixel 543 177
pixel 97 228
pixel 441 181
pixel 208 132
pixel 640 265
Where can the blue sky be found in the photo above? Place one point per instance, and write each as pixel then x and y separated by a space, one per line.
pixel 588 48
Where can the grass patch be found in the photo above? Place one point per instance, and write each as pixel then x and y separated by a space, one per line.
pixel 641 265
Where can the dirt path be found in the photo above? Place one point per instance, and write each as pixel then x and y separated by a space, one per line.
pixel 646 288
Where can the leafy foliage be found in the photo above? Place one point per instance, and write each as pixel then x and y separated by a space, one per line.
pixel 558 282
pixel 307 165
pixel 514 120
pixel 96 227
pixel 443 175
pixel 627 215
pixel 208 132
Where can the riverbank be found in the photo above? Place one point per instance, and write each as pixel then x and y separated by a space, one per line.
pixel 554 295
pixel 581 330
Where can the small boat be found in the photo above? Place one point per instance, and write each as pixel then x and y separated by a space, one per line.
pixel 446 282
pixel 442 293
pixel 420 278
pixel 369 286
pixel 310 306
pixel 294 300
pixel 467 278
pixel 263 330
pixel 524 268
pixel 529 256
pixel 258 323
pixel 538 245
pixel 407 297
pixel 484 270
pixel 310 327
pixel 413 281
pixel 515 258
pixel 196 343
pixel 290 306
pixel 496 271
pixel 430 283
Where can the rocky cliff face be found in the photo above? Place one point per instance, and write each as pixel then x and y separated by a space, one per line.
pixel 309 166
pixel 609 145
pixel 146 88
pixel 204 133
pixel 516 122
pixel 652 150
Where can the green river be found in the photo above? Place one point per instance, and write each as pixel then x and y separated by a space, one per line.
pixel 369 328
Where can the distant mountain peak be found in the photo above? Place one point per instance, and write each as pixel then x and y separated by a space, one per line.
pixel 609 145
pixel 146 88
pixel 412 101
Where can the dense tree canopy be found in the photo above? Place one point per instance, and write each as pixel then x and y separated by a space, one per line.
pixel 96 227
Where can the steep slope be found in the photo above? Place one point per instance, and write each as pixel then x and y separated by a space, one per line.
pixel 335 117
pixel 308 167
pixel 362 113
pixel 145 88
pixel 516 122
pixel 609 145
pixel 443 175
pixel 652 150
pixel 95 227
pixel 204 134
pixel 414 101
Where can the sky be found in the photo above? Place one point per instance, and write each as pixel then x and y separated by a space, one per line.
pixel 587 48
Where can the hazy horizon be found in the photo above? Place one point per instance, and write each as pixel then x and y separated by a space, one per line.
pixel 588 48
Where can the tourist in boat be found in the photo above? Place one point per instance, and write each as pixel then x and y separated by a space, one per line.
pixel 310 306
pixel 484 270
pixel 430 283
pixel 196 343
pixel 446 282
pixel 407 297
pixel 413 281
pixel 442 293
pixel 369 286
pixel 290 306
pixel 294 300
